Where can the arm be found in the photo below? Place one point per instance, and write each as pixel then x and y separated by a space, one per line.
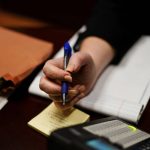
pixel 100 50
pixel 107 36
pixel 116 22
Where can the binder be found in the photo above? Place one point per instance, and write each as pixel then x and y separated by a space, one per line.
pixel 20 54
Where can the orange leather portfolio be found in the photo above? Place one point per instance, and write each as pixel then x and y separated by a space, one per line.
pixel 20 55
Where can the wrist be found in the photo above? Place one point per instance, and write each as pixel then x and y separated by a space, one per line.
pixel 100 50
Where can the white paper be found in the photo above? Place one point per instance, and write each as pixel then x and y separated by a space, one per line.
pixel 3 101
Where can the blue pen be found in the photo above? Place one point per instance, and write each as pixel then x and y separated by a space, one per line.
pixel 65 86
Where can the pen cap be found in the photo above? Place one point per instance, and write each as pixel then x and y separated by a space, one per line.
pixel 67 49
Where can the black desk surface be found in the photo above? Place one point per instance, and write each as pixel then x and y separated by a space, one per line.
pixel 22 106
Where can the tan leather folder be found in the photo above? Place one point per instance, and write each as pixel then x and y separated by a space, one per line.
pixel 20 55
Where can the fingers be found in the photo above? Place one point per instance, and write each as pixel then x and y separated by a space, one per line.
pixel 58 97
pixel 53 69
pixel 69 104
pixel 71 94
pixel 74 96
pixel 54 90
pixel 49 86
pixel 54 74
pixel 76 61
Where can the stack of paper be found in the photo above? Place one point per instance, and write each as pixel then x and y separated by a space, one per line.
pixel 121 90
pixel 20 54
pixel 124 90
pixel 53 118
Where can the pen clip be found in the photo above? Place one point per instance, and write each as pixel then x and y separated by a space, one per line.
pixel 67 54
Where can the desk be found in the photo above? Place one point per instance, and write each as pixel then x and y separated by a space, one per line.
pixel 22 106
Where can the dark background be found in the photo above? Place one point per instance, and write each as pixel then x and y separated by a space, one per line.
pixel 68 13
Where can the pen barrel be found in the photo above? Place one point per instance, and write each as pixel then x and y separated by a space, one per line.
pixel 65 85
pixel 64 88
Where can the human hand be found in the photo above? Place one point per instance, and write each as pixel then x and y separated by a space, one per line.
pixel 80 73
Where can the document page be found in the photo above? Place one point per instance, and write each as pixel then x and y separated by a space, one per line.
pixel 124 90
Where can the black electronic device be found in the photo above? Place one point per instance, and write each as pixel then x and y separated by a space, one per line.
pixel 102 134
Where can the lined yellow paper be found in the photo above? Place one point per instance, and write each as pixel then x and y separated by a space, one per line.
pixel 52 118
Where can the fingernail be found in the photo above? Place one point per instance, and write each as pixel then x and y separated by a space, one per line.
pixel 68 78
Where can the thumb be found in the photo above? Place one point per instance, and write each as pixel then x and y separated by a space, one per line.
pixel 76 61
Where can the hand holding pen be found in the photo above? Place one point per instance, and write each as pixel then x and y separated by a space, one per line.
pixel 80 74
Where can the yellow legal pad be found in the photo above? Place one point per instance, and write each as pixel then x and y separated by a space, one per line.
pixel 52 118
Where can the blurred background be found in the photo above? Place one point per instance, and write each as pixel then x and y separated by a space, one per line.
pixel 68 13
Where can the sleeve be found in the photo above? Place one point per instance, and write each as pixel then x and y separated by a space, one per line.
pixel 114 21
